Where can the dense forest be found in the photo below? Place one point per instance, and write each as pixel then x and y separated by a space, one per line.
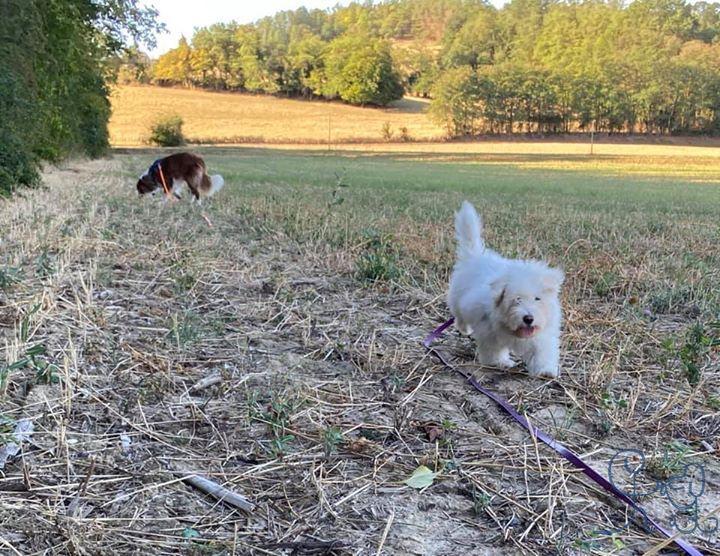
pixel 650 66
pixel 56 57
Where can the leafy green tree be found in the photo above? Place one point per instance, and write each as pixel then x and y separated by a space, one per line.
pixel 55 63
pixel 175 66
pixel 456 101
pixel 475 43
pixel 256 74
pixel 419 69
pixel 359 70
pixel 304 64
pixel 706 21
pixel 132 66
pixel 519 24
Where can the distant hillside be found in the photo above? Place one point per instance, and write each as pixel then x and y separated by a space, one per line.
pixel 240 117
pixel 648 66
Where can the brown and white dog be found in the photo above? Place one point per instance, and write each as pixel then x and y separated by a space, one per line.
pixel 177 169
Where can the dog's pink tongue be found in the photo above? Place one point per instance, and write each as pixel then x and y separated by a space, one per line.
pixel 525 331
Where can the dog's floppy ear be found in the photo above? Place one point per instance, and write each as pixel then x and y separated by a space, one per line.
pixel 553 279
pixel 498 287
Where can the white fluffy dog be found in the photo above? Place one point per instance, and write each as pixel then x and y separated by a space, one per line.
pixel 507 305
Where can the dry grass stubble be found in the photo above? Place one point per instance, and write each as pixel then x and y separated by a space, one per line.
pixel 324 404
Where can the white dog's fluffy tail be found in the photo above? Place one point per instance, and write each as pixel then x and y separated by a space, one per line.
pixel 217 183
pixel 468 231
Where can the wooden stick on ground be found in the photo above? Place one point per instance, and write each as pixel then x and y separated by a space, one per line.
pixel 206 383
pixel 217 491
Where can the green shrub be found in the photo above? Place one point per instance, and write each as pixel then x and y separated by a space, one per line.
pixel 386 131
pixel 167 131
pixel 18 165
pixel 92 123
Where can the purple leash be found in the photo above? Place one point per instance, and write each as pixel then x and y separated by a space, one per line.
pixel 568 454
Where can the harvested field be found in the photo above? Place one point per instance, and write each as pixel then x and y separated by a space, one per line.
pixel 278 354
pixel 212 117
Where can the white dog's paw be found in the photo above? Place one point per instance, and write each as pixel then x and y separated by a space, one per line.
pixel 505 362
pixel 551 371
pixel 498 361
pixel 463 327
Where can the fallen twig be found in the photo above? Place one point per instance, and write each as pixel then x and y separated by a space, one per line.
pixel 217 491
pixel 390 520
pixel 206 383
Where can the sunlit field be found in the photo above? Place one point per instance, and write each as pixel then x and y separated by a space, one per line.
pixel 278 351
pixel 241 118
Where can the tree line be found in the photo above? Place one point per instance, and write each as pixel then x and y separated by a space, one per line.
pixel 650 66
pixel 55 62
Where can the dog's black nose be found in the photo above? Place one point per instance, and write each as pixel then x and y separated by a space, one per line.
pixel 528 319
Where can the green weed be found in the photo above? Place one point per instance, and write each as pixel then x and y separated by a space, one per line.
pixel 670 463
pixel 672 300
pixel 34 359
pixel 277 417
pixel 693 351
pixel 605 284
pixel 610 401
pixel 8 277
pixel 332 439
pixel 185 328
pixel 379 258
pixel 44 264
pixel 481 501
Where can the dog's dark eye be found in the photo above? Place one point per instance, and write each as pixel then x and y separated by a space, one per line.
pixel 537 299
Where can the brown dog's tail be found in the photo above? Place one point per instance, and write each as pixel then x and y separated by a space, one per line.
pixel 209 185
pixel 216 184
